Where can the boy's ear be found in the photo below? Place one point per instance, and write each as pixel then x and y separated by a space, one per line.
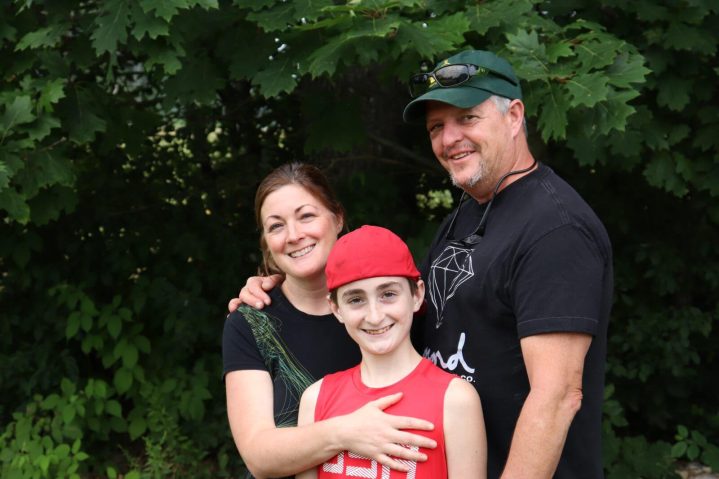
pixel 419 295
pixel 335 309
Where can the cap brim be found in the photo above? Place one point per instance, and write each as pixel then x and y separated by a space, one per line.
pixel 460 96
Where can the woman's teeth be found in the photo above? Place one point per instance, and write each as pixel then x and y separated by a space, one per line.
pixel 302 252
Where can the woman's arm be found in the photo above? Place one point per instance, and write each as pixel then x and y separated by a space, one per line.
pixel 307 416
pixel 464 436
pixel 269 451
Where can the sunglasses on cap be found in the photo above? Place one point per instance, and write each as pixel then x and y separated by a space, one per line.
pixel 448 76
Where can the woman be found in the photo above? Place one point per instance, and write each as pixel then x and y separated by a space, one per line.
pixel 271 356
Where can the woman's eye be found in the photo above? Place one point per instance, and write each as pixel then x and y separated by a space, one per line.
pixel 306 216
pixel 274 227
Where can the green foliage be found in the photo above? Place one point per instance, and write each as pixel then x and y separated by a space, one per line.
pixel 133 134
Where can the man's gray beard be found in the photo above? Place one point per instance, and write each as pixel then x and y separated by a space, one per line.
pixel 471 183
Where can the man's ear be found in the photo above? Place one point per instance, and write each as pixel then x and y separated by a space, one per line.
pixel 516 115
pixel 419 295
pixel 335 309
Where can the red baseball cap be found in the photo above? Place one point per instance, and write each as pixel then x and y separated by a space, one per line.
pixel 368 252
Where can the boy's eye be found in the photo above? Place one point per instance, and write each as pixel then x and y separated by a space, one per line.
pixel 354 300
pixel 389 294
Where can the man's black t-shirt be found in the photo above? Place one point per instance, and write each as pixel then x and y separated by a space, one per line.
pixel 544 264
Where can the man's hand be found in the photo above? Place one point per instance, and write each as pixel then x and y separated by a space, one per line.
pixel 372 433
pixel 254 292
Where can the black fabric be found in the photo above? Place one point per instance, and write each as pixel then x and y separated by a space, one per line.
pixel 319 343
pixel 543 265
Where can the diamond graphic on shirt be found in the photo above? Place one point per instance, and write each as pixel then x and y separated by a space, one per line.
pixel 449 270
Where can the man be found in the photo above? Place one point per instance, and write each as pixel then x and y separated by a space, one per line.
pixel 519 277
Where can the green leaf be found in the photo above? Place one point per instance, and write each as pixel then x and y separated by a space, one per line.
pixel 415 36
pixel 661 172
pixel 133 475
pixel 680 36
pixel 674 92
pixel 616 111
pixel 148 24
pixel 129 356
pixel 137 428
pixel 627 70
pixel 530 57
pixel 143 344
pixel 44 463
pixel 198 81
pixel 277 78
pixel 42 127
pixel 100 389
pixel 50 402
pixel 275 18
pixel 111 472
pixel 325 59
pixel 43 169
pixel 44 37
pixel 710 457
pixel 552 117
pixel 114 326
pixel 51 202
pixel 486 15
pixel 310 10
pixel 73 325
pixel 112 26
pixel 67 387
pixel 122 380
pixel 693 452
pixel 16 113
pixel 113 408
pixel 679 449
pixel 68 413
pixel 80 117
pixel 561 49
pixel 588 89
pixel 165 9
pixel 168 58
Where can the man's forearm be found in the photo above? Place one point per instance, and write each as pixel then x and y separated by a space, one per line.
pixel 540 434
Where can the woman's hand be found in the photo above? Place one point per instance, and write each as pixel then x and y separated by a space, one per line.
pixel 374 434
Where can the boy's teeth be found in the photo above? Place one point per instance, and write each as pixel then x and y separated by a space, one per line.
pixel 378 331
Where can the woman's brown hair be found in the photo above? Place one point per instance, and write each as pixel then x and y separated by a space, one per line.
pixel 308 177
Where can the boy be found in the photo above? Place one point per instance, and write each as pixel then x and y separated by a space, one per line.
pixel 374 291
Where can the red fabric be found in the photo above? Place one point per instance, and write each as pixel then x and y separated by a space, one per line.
pixel 424 390
pixel 368 252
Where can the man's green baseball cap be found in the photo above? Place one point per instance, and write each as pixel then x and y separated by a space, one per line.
pixel 494 76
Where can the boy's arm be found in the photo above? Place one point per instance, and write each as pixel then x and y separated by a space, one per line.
pixel 464 436
pixel 307 416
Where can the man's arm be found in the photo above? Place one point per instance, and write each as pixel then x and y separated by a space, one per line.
pixel 254 292
pixel 555 362
pixel 465 439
